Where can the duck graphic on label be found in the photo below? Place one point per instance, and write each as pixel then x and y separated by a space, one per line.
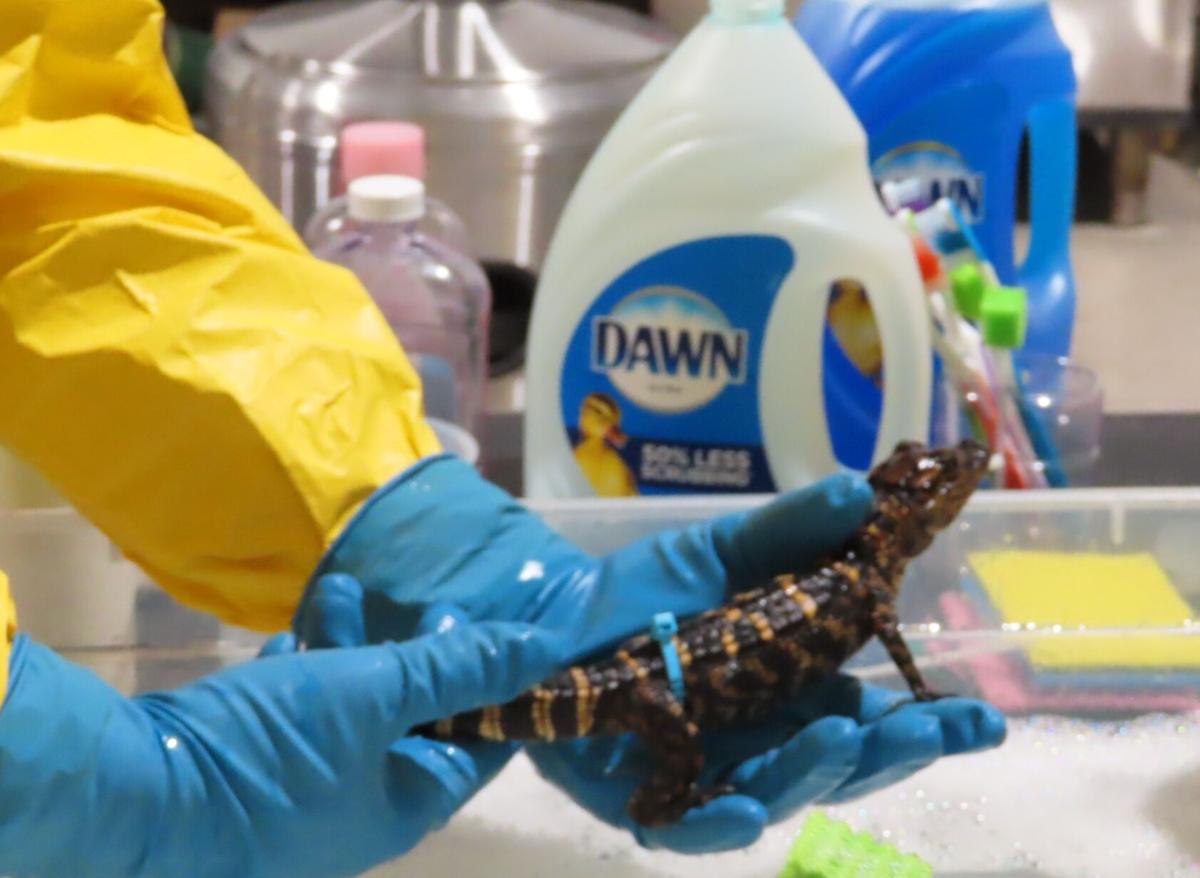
pixel 595 452
pixel 853 325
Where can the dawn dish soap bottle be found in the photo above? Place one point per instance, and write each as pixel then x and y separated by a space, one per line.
pixel 678 331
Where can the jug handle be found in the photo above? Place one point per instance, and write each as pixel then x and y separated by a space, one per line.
pixel 1052 209
pixel 905 333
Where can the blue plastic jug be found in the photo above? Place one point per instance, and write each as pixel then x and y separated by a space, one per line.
pixel 946 90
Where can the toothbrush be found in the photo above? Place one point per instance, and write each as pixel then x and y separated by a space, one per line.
pixel 996 408
pixel 1024 428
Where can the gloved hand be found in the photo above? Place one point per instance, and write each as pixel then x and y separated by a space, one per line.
pixel 844 740
pixel 442 541
pixel 290 766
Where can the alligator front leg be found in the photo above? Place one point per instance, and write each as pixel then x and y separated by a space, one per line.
pixel 887 629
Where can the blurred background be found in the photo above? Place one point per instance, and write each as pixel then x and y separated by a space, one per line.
pixel 520 93
pixel 513 98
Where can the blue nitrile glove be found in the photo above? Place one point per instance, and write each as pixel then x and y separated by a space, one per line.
pixel 843 741
pixel 289 766
pixel 440 539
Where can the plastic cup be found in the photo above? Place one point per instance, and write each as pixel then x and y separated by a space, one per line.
pixel 455 440
pixel 1065 399
pixel 1068 402
pixel 72 587
pixel 23 487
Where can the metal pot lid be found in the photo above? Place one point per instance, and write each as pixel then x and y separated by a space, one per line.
pixel 494 40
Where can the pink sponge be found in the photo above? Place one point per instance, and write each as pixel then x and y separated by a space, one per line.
pixel 370 148
pixel 1005 684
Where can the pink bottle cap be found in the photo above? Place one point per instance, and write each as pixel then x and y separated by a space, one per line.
pixel 369 149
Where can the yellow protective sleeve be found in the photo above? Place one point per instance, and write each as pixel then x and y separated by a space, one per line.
pixel 8 630
pixel 172 358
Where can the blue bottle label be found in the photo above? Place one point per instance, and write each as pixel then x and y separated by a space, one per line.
pixel 943 173
pixel 660 385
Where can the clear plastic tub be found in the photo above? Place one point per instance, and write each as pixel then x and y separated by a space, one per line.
pixel 1089 783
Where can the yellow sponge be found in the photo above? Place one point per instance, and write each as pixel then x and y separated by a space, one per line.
pixel 1095 591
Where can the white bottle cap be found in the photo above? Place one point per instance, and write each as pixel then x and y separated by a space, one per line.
pixel 386 198
pixel 747 11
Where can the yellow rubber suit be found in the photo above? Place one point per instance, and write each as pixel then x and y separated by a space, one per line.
pixel 171 357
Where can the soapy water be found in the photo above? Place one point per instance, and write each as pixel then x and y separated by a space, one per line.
pixel 1062 797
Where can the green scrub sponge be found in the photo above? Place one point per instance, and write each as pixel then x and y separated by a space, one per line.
pixel 828 849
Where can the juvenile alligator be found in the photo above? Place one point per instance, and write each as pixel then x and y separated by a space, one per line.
pixel 741 661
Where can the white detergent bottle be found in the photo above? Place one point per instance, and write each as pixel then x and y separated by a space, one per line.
pixel 678 332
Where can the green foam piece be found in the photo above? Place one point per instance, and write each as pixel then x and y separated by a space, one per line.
pixel 968 286
pixel 1005 317
pixel 828 849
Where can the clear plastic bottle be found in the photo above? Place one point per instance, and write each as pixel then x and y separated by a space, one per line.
pixel 368 149
pixel 435 298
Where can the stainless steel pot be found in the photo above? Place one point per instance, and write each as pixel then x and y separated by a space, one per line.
pixel 515 96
